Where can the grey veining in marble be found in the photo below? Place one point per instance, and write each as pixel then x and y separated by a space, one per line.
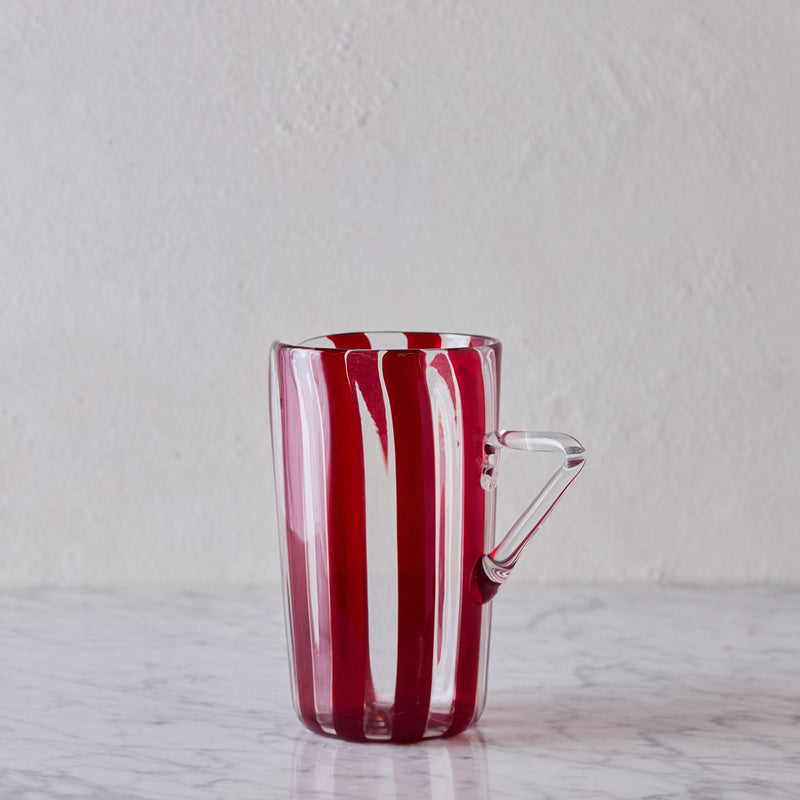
pixel 594 692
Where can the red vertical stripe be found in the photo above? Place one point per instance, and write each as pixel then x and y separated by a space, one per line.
pixel 404 376
pixel 350 341
pixel 296 544
pixel 469 379
pixel 423 340
pixel 347 551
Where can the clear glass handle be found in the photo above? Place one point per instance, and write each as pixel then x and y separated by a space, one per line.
pixel 492 570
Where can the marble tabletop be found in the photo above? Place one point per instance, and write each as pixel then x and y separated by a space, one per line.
pixel 594 692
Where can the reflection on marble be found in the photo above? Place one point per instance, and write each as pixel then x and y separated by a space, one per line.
pixel 325 767
pixel 594 692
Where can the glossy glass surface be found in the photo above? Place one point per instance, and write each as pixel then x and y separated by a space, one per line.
pixel 385 449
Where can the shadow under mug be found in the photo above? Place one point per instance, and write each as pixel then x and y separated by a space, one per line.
pixel 385 448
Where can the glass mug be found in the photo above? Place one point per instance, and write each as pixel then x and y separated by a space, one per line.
pixel 385 448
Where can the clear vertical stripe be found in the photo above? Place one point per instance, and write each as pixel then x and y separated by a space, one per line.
pixel 295 540
pixel 448 459
pixel 313 407
pixel 381 501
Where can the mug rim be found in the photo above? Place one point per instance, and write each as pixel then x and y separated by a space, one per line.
pixel 474 342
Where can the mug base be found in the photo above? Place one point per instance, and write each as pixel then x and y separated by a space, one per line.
pixel 377 725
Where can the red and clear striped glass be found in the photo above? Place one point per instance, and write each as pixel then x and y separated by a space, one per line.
pixel 385 448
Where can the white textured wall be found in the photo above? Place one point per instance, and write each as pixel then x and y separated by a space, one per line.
pixel 610 188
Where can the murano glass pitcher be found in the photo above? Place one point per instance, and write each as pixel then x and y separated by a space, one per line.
pixel 385 448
